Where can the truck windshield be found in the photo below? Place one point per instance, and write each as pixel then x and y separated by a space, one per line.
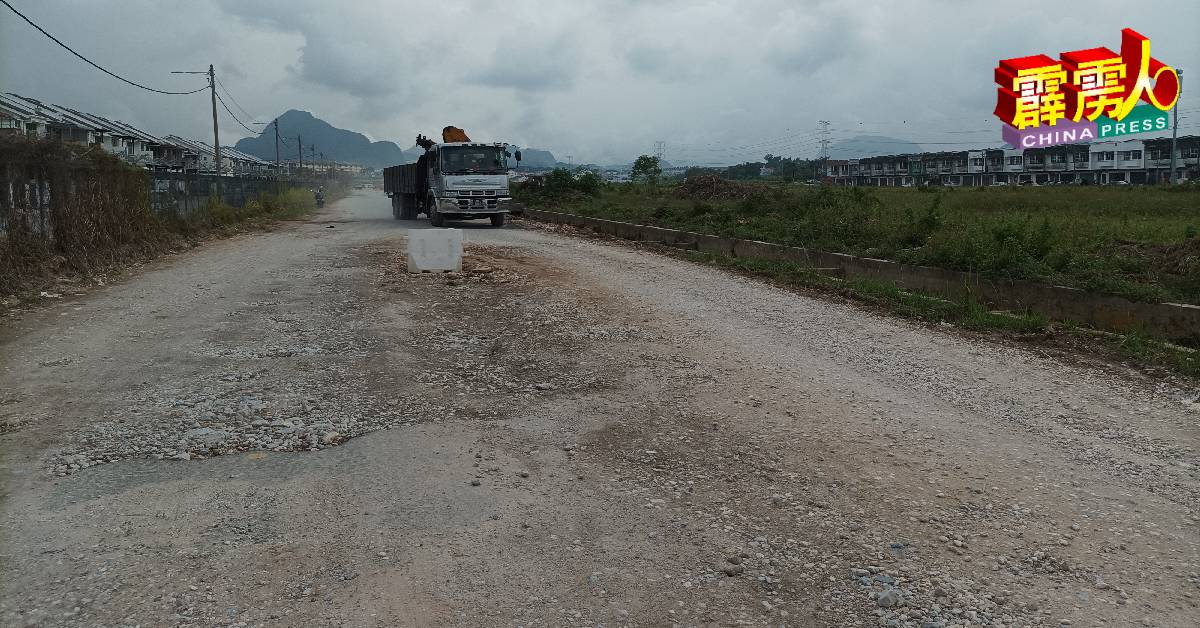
pixel 472 159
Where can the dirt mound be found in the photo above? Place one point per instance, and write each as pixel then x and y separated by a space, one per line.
pixel 1178 258
pixel 1182 258
pixel 711 186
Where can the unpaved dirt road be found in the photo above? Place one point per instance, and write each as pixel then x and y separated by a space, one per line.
pixel 286 429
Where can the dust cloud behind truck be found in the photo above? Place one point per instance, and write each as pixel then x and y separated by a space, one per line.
pixel 456 179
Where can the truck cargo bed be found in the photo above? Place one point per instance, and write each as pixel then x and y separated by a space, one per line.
pixel 401 179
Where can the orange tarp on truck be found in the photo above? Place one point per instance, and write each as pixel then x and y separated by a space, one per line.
pixel 454 134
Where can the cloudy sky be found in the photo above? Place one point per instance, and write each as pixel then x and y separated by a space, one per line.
pixel 600 80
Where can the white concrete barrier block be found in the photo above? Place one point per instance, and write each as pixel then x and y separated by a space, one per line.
pixel 435 250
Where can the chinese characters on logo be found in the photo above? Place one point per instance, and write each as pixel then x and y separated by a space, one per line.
pixel 1038 90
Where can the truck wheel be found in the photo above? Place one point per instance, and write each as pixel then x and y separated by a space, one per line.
pixel 435 217
pixel 408 210
pixel 497 220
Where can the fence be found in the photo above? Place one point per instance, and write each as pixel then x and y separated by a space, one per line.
pixel 183 195
pixel 71 205
pixel 65 204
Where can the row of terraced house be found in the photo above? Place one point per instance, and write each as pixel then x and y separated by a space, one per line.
pixel 20 115
pixel 1100 163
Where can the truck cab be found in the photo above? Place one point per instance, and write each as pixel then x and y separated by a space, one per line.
pixel 453 181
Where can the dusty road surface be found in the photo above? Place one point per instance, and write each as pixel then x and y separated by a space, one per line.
pixel 286 429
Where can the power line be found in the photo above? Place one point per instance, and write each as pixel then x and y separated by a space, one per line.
pixel 234 100
pixel 922 143
pixel 781 142
pixel 892 126
pixel 755 144
pixel 235 118
pixel 760 141
pixel 792 151
pixel 89 61
pixel 776 146
pixel 786 142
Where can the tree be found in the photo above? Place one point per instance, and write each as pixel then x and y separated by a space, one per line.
pixel 748 170
pixel 792 168
pixel 646 169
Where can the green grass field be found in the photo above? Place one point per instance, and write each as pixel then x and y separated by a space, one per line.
pixel 1137 242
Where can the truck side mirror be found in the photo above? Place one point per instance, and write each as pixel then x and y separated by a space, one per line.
pixel 518 155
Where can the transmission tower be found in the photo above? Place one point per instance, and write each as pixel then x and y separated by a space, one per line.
pixel 660 150
pixel 824 139
pixel 824 147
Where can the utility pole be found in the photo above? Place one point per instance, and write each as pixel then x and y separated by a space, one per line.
pixel 300 150
pixel 1175 129
pixel 278 168
pixel 212 86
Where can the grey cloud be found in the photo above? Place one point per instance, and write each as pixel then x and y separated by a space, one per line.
pixel 348 67
pixel 667 64
pixel 592 78
pixel 527 66
pixel 328 57
pixel 804 43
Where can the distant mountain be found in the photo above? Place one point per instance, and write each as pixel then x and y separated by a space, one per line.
pixel 535 158
pixel 336 144
pixel 870 146
pixel 410 155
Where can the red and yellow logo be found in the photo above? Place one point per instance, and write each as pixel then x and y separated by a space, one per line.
pixel 1084 85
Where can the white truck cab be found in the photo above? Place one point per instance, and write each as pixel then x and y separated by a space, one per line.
pixel 453 181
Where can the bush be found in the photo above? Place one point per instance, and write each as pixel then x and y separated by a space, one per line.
pixel 561 186
pixel 71 208
pixel 76 210
pixel 588 182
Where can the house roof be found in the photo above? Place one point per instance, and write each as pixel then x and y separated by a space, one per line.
pixel 201 148
pixel 59 115
pixel 116 127
pixel 19 108
pixel 31 108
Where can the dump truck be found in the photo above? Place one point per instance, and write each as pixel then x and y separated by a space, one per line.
pixel 456 179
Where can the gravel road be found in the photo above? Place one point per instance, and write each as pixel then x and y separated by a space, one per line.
pixel 284 428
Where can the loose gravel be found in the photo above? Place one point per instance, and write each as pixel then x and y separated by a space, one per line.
pixel 288 429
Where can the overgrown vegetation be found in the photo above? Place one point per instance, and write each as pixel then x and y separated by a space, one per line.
pixel 967 313
pixel 561 186
pixel 1138 349
pixel 1138 242
pixel 1145 350
pixel 288 203
pixel 73 210
pixel 778 168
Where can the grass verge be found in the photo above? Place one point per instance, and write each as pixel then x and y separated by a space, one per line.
pixel 1137 350
pixel 162 234
pixel 1138 242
